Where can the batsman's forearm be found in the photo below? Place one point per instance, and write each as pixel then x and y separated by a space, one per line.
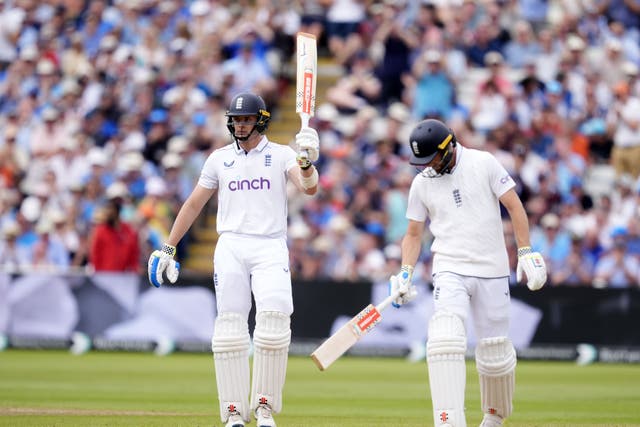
pixel 520 227
pixel 518 216
pixel 185 218
pixel 411 246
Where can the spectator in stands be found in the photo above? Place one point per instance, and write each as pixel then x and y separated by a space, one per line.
pixel 489 110
pixel 100 167
pixel 27 217
pixel 341 262
pixel 623 201
pixel 600 143
pixel 623 121
pixel 395 205
pixel 299 235
pixel 612 55
pixel 626 36
pixel 432 92
pixel 551 239
pixel 49 252
pixel 158 134
pixel 531 86
pixel 627 13
pixel 156 207
pixel 114 243
pixel 548 58
pixel 498 74
pixel 523 46
pixel 246 72
pixel 633 234
pixel 343 20
pixel 397 40
pixel 534 12
pixel 483 41
pixel 577 269
pixel 313 20
pixel 49 136
pixel 14 255
pixel 357 88
pixel 65 231
pixel 617 268
pixel 566 165
pixel 13 159
pixel 370 260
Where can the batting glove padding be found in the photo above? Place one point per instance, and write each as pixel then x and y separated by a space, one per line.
pixel 401 283
pixel 308 144
pixel 162 261
pixel 533 266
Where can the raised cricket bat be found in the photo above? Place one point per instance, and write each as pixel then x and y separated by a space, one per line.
pixel 349 334
pixel 306 76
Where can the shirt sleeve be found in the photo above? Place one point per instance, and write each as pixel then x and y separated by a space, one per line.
pixel 209 175
pixel 499 178
pixel 416 209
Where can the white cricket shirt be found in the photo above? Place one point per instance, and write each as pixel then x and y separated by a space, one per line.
pixel 464 211
pixel 252 196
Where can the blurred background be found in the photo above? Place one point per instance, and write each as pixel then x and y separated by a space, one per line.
pixel 109 108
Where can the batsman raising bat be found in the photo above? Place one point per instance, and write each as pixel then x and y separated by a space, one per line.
pixel 250 177
pixel 460 191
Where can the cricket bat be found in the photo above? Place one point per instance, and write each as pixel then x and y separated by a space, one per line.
pixel 306 76
pixel 349 334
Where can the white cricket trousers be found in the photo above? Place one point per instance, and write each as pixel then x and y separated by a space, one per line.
pixel 243 264
pixel 488 300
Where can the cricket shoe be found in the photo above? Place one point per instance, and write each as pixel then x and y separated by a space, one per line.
pixel 263 416
pixel 235 420
pixel 491 421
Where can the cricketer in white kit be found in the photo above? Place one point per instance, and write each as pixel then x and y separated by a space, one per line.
pixel 459 191
pixel 251 256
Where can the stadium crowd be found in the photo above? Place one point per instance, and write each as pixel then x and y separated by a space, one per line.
pixel 108 109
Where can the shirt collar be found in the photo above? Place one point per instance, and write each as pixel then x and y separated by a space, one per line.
pixel 261 145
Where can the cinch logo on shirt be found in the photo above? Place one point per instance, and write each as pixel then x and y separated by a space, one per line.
pixel 250 184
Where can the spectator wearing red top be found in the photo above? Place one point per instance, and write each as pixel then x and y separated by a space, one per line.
pixel 114 243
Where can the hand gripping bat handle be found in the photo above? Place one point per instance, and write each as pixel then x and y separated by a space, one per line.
pixel 387 301
pixel 304 120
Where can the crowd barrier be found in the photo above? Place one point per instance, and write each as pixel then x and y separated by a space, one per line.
pixel 120 311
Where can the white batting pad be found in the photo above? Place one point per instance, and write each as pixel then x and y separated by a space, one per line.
pixel 446 348
pixel 230 345
pixel 496 363
pixel 271 340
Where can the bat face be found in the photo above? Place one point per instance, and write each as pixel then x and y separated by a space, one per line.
pixel 306 74
pixel 366 320
pixel 350 333
pixel 307 92
pixel 346 337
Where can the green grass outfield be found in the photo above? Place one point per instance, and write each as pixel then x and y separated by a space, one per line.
pixel 55 388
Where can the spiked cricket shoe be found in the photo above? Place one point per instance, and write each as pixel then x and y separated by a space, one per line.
pixel 491 421
pixel 235 420
pixel 263 416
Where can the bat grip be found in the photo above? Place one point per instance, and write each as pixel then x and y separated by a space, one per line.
pixel 304 123
pixel 304 120
pixel 387 301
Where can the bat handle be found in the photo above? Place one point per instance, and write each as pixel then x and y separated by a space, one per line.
pixel 387 301
pixel 304 123
pixel 304 120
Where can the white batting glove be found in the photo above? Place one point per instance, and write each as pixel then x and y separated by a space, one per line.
pixel 308 144
pixel 162 261
pixel 533 266
pixel 401 282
